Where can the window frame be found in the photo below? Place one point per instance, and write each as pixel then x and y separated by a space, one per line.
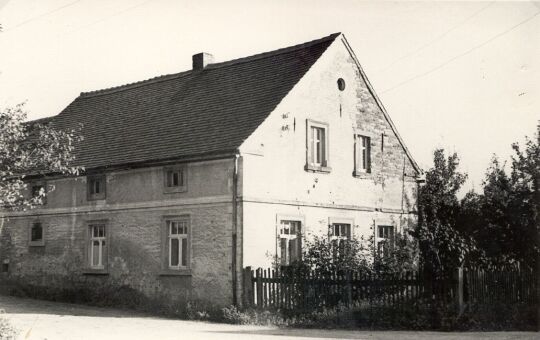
pixel 166 240
pixel 299 237
pixel 38 243
pixel 332 222
pixel 359 170
pixel 384 240
pixel 96 196
pixel 176 168
pixel 105 253
pixel 324 166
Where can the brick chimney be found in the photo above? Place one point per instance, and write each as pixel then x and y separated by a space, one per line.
pixel 201 60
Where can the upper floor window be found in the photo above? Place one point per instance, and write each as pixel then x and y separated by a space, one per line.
pixel 178 248
pixel 290 241
pixel 385 239
pixel 362 154
pixel 36 234
pixel 175 179
pixel 317 146
pixel 97 247
pixel 39 193
pixel 96 187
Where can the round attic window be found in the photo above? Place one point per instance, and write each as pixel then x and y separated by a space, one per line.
pixel 341 84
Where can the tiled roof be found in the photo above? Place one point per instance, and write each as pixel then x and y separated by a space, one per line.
pixel 186 114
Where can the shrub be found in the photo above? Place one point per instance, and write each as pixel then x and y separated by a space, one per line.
pixel 7 332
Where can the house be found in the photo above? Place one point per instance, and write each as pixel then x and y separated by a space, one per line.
pixel 192 176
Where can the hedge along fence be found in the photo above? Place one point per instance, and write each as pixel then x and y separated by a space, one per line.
pixel 289 290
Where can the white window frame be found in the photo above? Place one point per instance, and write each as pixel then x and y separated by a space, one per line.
pixel 103 243
pixel 280 234
pixel 321 144
pixel 176 224
pixel 385 241
pixel 339 221
pixel 362 153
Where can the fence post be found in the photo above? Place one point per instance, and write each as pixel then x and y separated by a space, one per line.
pixel 258 279
pixel 247 286
pixel 349 288
pixel 459 283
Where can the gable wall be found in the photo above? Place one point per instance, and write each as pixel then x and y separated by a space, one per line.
pixel 275 182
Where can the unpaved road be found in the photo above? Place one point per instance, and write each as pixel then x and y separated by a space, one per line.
pixel 37 319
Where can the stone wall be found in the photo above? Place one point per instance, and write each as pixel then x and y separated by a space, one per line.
pixel 134 213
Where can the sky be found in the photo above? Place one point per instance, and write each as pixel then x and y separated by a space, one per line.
pixel 463 76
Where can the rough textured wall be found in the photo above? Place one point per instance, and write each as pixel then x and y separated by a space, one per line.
pixel 274 158
pixel 134 214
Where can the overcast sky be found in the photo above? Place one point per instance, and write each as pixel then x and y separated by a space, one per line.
pixel 460 75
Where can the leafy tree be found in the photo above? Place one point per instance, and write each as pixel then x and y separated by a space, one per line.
pixel 442 245
pixel 30 149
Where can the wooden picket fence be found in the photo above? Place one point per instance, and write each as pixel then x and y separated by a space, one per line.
pixel 268 288
pixel 504 286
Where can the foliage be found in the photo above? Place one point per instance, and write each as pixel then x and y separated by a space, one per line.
pixel 442 245
pixel 30 149
pixel 503 220
pixel 7 332
pixel 327 257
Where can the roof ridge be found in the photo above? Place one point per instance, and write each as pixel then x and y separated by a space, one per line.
pixel 209 67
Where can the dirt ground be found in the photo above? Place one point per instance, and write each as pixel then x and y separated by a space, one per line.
pixel 35 319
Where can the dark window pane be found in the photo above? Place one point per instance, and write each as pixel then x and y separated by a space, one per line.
pixel 174 252
pixel 184 252
pixel 37 232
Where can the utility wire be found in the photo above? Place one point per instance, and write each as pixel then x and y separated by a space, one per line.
pixel 462 54
pixel 112 15
pixel 40 16
pixel 431 42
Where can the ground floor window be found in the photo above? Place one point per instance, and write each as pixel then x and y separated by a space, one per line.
pixel 36 234
pixel 290 241
pixel 385 239
pixel 340 234
pixel 178 245
pixel 97 252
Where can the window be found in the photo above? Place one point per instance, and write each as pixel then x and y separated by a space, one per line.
pixel 96 187
pixel 38 191
pixel 317 147
pixel 97 252
pixel 290 241
pixel 36 234
pixel 341 84
pixel 385 239
pixel 175 179
pixel 178 231
pixel 340 234
pixel 362 155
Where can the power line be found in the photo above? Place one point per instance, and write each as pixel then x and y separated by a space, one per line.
pixel 431 42
pixel 41 16
pixel 112 15
pixel 462 54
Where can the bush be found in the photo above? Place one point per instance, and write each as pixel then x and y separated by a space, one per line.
pixel 7 332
